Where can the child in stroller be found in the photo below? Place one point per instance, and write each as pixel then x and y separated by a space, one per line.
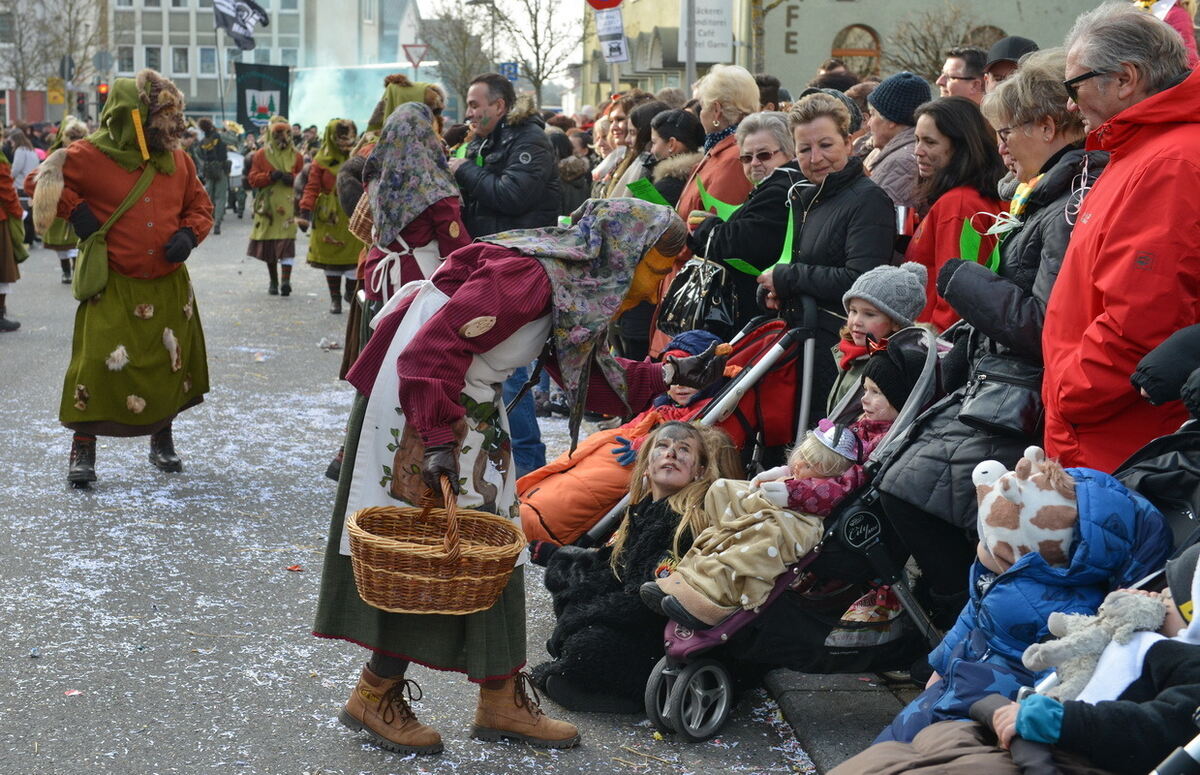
pixel 761 530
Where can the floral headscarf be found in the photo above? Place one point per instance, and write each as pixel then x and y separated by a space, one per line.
pixel 590 265
pixel 407 171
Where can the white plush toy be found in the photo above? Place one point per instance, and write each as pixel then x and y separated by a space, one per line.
pixel 1082 638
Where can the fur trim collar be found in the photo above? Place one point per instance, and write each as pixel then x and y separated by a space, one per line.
pixel 678 166
pixel 523 109
pixel 571 168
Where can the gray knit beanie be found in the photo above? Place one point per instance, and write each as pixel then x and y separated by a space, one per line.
pixel 898 291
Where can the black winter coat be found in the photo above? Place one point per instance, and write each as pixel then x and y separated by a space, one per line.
pixel 754 234
pixel 932 469
pixel 605 639
pixel 517 187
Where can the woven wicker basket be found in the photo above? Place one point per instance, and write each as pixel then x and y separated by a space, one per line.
pixel 362 224
pixel 431 560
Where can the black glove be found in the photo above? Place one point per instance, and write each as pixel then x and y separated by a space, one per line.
pixel 84 221
pixel 287 177
pixel 695 371
pixel 1191 394
pixel 276 175
pixel 179 247
pixel 540 552
pixel 303 219
pixel 440 460
pixel 946 272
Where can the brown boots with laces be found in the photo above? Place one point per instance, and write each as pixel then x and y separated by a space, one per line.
pixel 380 707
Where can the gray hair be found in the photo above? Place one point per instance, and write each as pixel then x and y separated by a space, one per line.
pixel 771 121
pixel 1035 91
pixel 1119 33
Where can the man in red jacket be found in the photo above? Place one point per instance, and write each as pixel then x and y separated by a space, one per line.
pixel 1131 275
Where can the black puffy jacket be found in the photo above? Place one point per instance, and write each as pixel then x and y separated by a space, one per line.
pixel 517 186
pixel 932 470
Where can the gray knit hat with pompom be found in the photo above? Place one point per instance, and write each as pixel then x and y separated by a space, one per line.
pixel 898 291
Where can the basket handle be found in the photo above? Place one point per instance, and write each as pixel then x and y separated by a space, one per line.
pixel 450 544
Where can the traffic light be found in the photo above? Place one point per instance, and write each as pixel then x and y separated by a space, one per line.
pixel 101 95
pixel 80 104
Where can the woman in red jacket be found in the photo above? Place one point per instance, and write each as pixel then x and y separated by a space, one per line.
pixel 959 166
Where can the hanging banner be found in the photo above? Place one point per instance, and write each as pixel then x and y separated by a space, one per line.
pixel 262 92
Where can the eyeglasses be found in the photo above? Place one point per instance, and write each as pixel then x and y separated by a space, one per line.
pixel 1072 84
pixel 961 77
pixel 1005 132
pixel 762 156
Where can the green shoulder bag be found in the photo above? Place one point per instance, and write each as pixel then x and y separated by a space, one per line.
pixel 91 267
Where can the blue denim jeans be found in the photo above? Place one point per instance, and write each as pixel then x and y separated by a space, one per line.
pixel 529 453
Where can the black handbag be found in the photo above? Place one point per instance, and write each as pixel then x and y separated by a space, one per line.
pixel 1004 396
pixel 700 297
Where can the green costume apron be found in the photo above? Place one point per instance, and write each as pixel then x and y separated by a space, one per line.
pixel 332 246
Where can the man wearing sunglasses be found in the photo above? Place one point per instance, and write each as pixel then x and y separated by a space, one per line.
pixel 1130 275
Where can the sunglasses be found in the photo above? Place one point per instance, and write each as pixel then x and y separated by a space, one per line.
pixel 1072 84
pixel 762 156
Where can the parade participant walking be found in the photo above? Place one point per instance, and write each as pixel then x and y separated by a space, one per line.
pixel 332 247
pixel 137 357
pixel 60 236
pixel 213 158
pixel 433 372
pixel 12 243
pixel 273 170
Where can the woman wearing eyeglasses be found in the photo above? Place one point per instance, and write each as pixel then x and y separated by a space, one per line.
pixel 752 239
pixel 958 166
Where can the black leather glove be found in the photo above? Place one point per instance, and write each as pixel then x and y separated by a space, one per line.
pixel 276 175
pixel 440 460
pixel 540 552
pixel 1190 393
pixel 695 371
pixel 84 221
pixel 179 247
pixel 287 177
pixel 946 272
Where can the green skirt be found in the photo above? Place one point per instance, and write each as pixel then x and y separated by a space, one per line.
pixel 137 357
pixel 485 645
pixel 332 246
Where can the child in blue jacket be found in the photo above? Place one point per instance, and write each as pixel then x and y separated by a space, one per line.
pixel 1051 539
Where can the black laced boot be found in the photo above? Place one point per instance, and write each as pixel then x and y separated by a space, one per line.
pixel 6 324
pixel 82 471
pixel 335 293
pixel 65 264
pixel 273 273
pixel 285 287
pixel 162 452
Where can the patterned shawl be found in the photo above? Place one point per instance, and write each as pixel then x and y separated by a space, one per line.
pixel 590 265
pixel 407 171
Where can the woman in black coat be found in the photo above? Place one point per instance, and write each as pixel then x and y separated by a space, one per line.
pixel 927 490
pixel 843 224
pixel 605 640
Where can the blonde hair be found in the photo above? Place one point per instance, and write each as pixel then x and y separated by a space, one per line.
pixel 824 461
pixel 733 88
pixel 719 460
pixel 1035 91
pixel 820 104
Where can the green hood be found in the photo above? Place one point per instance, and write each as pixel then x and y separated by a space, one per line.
pixel 118 136
pixel 330 156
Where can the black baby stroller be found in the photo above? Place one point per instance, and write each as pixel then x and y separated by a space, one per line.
pixel 691 690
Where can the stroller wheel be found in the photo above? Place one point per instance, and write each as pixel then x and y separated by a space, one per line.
pixel 658 693
pixel 701 700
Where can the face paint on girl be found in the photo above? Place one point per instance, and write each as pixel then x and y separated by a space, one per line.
pixel 674 461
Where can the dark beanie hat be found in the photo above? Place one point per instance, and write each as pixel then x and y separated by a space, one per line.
pixel 895 371
pixel 856 116
pixel 898 96
pixel 1180 572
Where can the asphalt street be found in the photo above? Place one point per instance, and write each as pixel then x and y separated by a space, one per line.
pixel 160 623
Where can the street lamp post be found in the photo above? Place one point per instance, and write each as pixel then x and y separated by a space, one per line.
pixel 491 4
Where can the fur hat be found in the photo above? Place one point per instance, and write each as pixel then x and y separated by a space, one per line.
pixel 1029 509
pixel 895 372
pixel 898 291
pixel 1181 580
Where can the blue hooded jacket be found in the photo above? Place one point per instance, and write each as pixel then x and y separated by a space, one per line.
pixel 1120 539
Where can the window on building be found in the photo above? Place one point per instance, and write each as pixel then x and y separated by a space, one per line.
pixel 208 60
pixel 206 3
pixel 858 46
pixel 179 60
pixel 984 36
pixel 154 57
pixel 6 27
pixel 179 3
pixel 289 57
pixel 124 59
pixel 152 3
pixel 232 55
pixel 125 3
pixel 287 5
pixel 368 10
pixel 262 55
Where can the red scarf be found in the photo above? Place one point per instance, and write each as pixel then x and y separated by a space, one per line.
pixel 850 351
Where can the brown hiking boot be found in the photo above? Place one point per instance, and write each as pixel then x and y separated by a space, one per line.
pixel 380 707
pixel 509 712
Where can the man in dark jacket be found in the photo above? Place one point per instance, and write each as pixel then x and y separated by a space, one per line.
pixel 213 161
pixel 509 180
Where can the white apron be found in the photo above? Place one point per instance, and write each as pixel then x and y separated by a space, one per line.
pixel 385 279
pixel 387 468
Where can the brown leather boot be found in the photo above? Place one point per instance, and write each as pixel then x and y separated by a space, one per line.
pixel 509 712
pixel 379 707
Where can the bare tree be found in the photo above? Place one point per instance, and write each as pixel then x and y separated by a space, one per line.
pixel 25 50
pixel 758 30
pixel 75 29
pixel 544 37
pixel 455 41
pixel 920 41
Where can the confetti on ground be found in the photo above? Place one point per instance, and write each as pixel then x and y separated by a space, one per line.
pixel 72 692
pixel 295 568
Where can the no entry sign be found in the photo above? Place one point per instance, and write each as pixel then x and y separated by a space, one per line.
pixel 601 5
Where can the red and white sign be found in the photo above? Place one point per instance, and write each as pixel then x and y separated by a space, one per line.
pixel 601 5
pixel 415 52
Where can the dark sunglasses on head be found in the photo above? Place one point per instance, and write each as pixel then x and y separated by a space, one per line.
pixel 1072 84
pixel 762 156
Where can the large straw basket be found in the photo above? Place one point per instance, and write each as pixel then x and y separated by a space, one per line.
pixel 361 222
pixel 431 560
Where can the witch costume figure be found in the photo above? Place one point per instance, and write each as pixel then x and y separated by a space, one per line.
pixel 137 356
pixel 430 407
pixel 58 234
pixel 273 169
pixel 332 247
